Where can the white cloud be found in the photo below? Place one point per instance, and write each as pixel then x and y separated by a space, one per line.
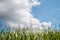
pixel 46 24
pixel 18 12
pixel 3 7
pixel 35 3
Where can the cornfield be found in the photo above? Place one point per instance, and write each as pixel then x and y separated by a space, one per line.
pixel 24 35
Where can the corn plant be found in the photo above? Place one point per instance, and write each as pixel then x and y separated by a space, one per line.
pixel 24 35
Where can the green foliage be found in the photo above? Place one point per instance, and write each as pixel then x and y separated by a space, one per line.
pixel 24 35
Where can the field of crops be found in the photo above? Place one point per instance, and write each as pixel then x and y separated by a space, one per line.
pixel 24 35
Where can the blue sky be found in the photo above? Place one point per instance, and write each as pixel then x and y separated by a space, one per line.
pixel 49 10
pixel 0 24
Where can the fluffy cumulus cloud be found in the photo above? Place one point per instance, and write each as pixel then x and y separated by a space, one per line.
pixel 18 12
pixel 46 24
